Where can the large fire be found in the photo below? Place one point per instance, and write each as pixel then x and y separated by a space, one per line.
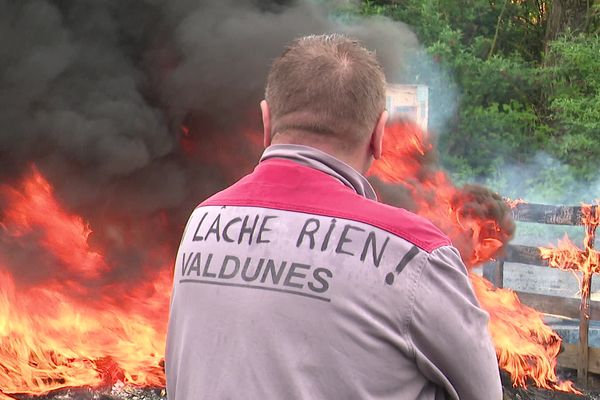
pixel 54 334
pixel 479 223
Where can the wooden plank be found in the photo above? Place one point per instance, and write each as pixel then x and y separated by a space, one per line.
pixel 556 305
pixel 594 360
pixel 494 272
pixel 500 273
pixel 568 357
pixel 565 306
pixel 517 253
pixel 547 214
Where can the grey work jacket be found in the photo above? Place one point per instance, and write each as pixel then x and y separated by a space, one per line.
pixel 295 283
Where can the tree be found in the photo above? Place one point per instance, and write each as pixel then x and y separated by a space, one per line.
pixel 527 81
pixel 567 15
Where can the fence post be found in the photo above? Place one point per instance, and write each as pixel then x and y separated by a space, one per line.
pixel 586 289
pixel 584 326
pixel 494 272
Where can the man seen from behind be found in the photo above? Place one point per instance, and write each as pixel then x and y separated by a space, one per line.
pixel 282 287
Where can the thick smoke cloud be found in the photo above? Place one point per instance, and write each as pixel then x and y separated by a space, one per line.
pixel 97 94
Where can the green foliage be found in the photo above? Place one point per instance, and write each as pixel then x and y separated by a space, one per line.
pixel 575 101
pixel 483 137
pixel 515 99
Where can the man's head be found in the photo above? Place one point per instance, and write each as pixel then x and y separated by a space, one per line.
pixel 327 91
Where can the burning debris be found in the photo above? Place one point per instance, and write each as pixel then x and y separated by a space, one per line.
pixel 479 224
pixel 56 333
pixel 587 261
pixel 117 119
pixel 56 337
pixel 118 391
pixel 567 256
pixel 476 219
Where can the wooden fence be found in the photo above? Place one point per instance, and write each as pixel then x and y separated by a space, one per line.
pixel 577 356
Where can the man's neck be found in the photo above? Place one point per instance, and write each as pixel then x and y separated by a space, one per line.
pixel 326 145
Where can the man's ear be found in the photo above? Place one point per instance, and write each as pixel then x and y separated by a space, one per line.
pixel 266 119
pixel 377 135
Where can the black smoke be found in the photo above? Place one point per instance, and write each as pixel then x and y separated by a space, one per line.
pixel 97 93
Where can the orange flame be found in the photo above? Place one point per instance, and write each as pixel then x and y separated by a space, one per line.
pixel 525 346
pixel 514 203
pixel 54 335
pixel 51 335
pixel 475 218
pixel 568 257
pixel 479 223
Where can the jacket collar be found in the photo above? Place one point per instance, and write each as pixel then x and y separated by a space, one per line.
pixel 321 161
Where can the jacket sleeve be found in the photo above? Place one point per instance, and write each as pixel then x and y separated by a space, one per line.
pixel 449 331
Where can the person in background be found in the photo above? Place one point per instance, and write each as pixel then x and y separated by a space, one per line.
pixel 295 283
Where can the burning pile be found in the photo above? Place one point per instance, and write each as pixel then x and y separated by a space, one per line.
pixel 75 327
pixel 93 95
pixel 479 224
pixel 57 333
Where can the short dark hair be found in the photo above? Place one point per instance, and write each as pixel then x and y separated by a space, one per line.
pixel 326 84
